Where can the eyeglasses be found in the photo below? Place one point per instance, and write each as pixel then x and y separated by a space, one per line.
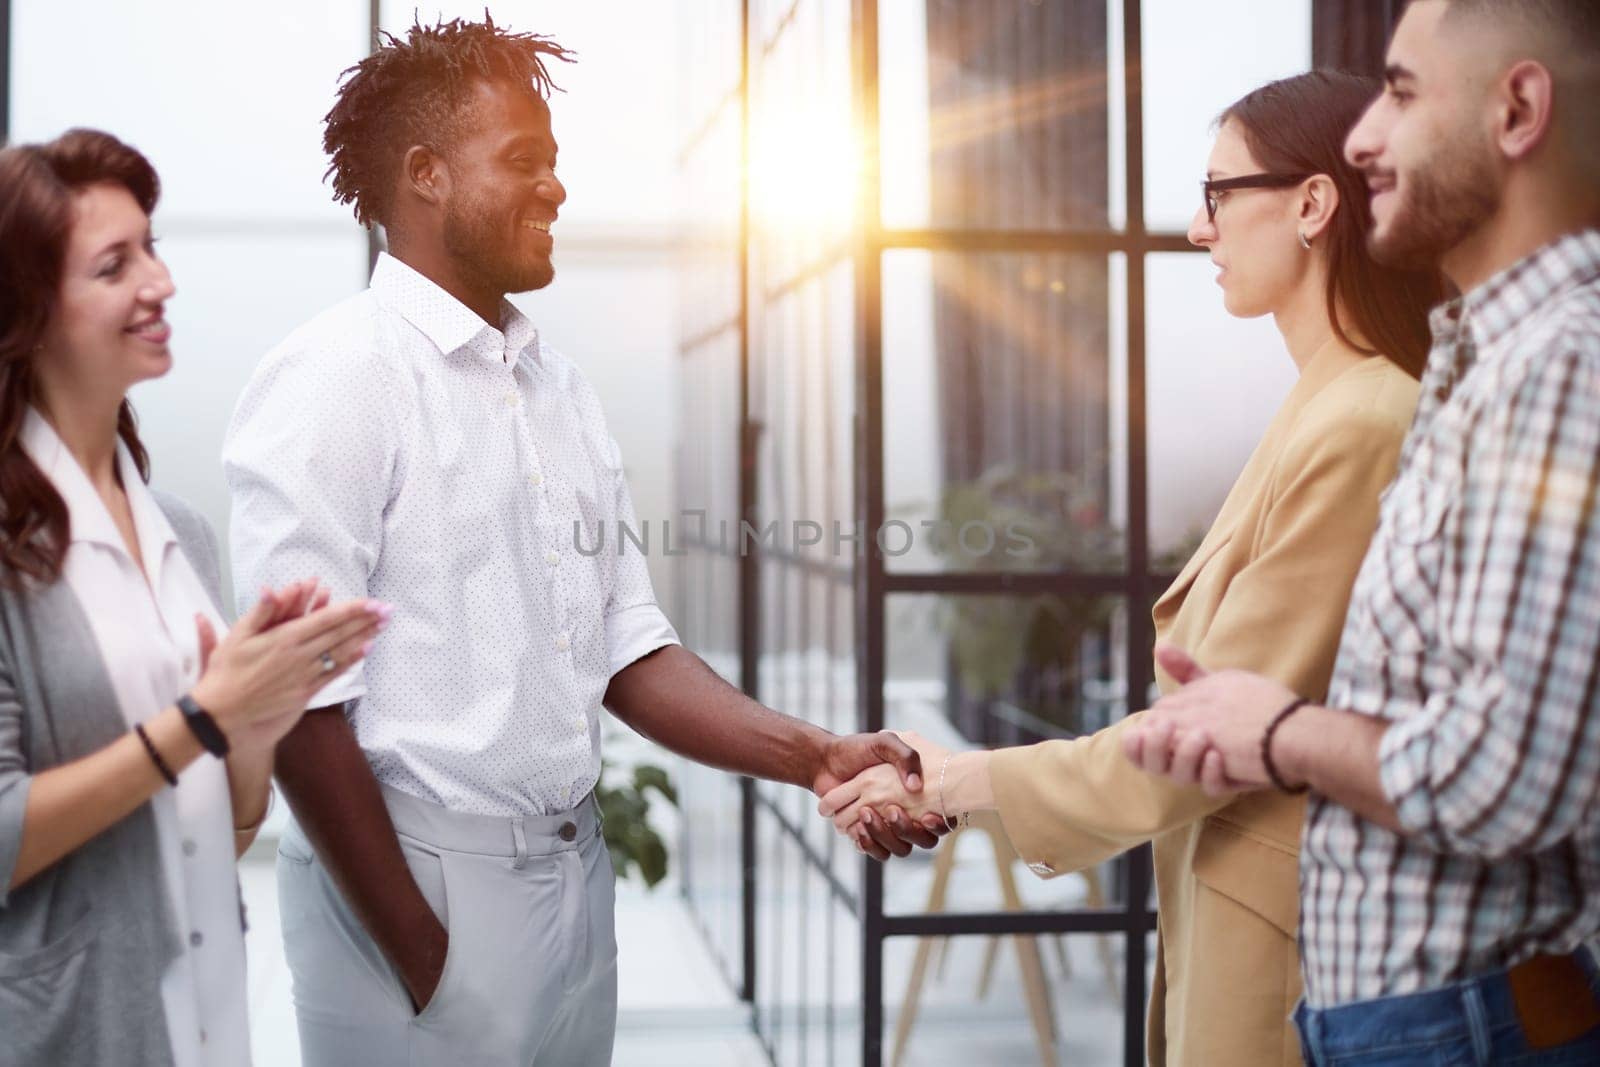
pixel 1211 187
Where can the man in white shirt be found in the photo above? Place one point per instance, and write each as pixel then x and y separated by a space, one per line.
pixel 446 896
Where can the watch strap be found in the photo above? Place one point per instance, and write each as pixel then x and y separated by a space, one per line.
pixel 203 726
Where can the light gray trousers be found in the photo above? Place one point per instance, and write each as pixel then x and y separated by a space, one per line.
pixel 530 978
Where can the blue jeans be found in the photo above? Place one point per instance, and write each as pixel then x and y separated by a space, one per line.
pixel 1471 1022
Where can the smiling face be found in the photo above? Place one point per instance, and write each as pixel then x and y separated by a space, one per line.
pixel 1424 146
pixel 1254 237
pixel 504 193
pixel 109 331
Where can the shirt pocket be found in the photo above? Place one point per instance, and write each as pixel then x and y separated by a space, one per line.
pixel 1400 601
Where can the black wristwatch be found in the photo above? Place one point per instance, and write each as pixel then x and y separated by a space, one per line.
pixel 204 726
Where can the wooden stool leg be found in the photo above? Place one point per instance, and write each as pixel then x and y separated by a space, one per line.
pixel 1060 942
pixel 943 863
pixel 1036 988
pixel 991 949
pixel 1108 964
pixel 1034 982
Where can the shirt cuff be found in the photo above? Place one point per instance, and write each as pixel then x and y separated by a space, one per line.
pixel 351 685
pixel 1402 773
pixel 632 633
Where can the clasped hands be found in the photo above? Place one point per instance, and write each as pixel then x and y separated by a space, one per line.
pixel 879 804
pixel 1207 733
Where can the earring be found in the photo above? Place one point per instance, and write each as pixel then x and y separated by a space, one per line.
pixel 1305 242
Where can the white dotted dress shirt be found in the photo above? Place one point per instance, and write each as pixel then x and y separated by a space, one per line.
pixel 399 447
pixel 143 623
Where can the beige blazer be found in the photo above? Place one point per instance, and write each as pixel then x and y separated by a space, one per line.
pixel 1266 591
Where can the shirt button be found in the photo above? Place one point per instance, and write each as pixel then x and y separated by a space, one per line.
pixel 189 847
pixel 195 938
pixel 512 400
pixel 563 642
pixel 552 557
pixel 536 478
pixel 583 726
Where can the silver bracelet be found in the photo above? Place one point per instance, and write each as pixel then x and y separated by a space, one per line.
pixel 944 813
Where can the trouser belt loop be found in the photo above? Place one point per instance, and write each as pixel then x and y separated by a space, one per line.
pixel 521 841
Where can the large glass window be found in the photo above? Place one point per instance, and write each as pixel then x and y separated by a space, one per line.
pixel 1012 339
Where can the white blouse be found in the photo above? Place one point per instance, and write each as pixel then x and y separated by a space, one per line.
pixel 144 624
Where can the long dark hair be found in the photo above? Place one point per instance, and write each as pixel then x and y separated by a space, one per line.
pixel 37 183
pixel 1298 126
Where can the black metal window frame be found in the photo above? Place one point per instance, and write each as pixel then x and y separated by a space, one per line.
pixel 1134 919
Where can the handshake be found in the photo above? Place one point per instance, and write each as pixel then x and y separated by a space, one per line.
pixel 910 795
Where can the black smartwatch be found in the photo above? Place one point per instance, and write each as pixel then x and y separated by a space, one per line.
pixel 204 726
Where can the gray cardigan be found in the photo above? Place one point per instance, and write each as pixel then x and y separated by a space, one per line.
pixel 83 944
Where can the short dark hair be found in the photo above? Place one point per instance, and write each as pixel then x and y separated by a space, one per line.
pixel 413 92
pixel 1574 21
pixel 1298 126
pixel 37 185
pixel 1565 38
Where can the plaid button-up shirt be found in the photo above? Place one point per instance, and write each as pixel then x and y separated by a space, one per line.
pixel 1474 629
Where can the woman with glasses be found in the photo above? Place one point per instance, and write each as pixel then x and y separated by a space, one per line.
pixel 1285 219
pixel 136 747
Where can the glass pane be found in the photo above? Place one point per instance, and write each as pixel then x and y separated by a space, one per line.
pixel 994 115
pixel 1212 384
pixel 803 402
pixel 1041 998
pixel 805 157
pixel 1004 405
pixel 975 671
pixel 708 252
pixel 1198 59
pixel 808 954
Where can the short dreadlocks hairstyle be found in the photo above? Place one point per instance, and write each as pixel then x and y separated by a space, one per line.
pixel 413 91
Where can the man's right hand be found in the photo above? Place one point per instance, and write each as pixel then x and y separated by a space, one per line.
pixel 339 805
pixel 425 966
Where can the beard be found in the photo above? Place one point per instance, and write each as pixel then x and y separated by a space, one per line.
pixel 490 251
pixel 1439 207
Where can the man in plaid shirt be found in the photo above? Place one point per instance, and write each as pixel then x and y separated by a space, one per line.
pixel 1450 872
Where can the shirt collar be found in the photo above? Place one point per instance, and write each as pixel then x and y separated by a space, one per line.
pixel 448 323
pixel 87 515
pixel 1511 297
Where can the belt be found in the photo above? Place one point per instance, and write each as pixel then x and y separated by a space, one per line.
pixel 1554 1000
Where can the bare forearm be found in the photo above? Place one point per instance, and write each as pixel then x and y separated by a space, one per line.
pixel 329 785
pixel 967 785
pixel 1336 754
pixel 70 804
pixel 673 698
pixel 249 785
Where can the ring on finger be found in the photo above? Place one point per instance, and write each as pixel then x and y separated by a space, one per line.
pixel 326 660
